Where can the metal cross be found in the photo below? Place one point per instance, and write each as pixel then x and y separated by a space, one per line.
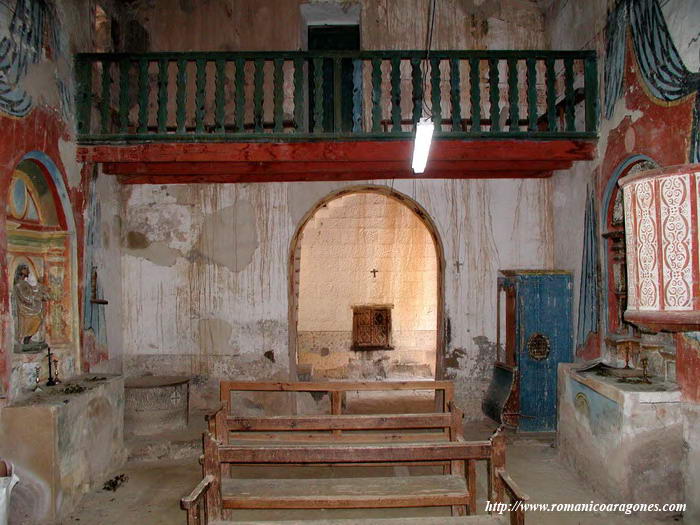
pixel 374 273
pixel 458 264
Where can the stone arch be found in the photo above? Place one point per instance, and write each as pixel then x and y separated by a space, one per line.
pixel 611 194
pixel 293 266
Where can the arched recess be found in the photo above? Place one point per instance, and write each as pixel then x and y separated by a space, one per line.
pixel 614 262
pixel 294 267
pixel 41 233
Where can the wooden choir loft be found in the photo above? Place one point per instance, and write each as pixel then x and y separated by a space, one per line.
pixel 227 296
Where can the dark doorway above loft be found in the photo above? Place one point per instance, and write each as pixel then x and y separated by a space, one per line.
pixel 333 38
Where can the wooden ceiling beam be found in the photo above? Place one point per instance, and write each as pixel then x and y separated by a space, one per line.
pixel 367 169
pixel 341 151
pixel 327 176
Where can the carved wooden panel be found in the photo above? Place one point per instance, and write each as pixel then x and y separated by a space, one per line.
pixel 371 328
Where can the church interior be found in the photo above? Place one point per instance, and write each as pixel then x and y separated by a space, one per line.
pixel 232 292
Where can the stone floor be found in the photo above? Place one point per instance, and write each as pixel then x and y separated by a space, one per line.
pixel 151 494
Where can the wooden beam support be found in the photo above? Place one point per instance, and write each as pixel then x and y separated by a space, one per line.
pixel 341 151
pixel 340 176
pixel 350 453
pixel 270 168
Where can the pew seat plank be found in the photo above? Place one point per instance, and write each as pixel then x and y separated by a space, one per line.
pixel 301 438
pixel 345 493
pixel 483 519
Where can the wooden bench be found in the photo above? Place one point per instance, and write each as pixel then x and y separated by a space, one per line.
pixel 336 428
pixel 226 420
pixel 214 493
pixel 444 390
pixel 342 428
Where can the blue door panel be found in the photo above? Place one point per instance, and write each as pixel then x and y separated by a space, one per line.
pixel 544 340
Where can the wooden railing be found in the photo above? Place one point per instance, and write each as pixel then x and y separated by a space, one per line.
pixel 304 95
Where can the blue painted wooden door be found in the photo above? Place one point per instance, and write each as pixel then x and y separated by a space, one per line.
pixel 544 340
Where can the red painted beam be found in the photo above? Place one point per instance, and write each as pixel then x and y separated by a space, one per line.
pixel 339 151
pixel 271 168
pixel 327 176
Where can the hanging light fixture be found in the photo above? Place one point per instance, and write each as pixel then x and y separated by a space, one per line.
pixel 424 126
pixel 421 147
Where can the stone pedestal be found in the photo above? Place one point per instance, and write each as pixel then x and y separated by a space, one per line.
pixel 62 445
pixel 156 404
pixel 625 440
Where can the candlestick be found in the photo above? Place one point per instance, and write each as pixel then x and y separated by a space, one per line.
pixel 51 381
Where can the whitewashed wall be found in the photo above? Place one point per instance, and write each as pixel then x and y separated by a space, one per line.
pixel 205 268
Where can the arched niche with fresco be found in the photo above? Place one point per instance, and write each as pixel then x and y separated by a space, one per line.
pixel 615 257
pixel 41 265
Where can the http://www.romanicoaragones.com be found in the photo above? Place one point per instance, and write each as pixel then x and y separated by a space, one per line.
pixel 624 508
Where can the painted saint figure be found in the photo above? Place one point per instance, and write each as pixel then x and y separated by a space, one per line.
pixel 29 305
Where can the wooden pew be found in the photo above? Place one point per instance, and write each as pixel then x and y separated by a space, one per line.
pixel 444 390
pixel 351 428
pixel 225 419
pixel 338 428
pixel 214 493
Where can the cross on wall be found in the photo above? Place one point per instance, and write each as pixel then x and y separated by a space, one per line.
pixel 374 273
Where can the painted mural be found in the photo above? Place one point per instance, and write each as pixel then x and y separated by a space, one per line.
pixel 589 304
pixel 666 76
pixel 40 274
pixel 37 255
pixel 29 34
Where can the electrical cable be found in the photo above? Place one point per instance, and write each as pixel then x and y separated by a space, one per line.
pixel 426 108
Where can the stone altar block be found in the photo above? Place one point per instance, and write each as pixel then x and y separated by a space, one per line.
pixel 626 440
pixel 62 445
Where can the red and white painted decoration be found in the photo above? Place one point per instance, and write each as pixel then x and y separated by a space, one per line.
pixel 661 233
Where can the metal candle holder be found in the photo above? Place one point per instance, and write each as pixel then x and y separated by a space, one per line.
pixel 52 381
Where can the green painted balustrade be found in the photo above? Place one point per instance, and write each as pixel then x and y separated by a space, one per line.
pixel 227 96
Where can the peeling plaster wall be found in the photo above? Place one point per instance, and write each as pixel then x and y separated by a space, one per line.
pixel 205 273
pixel 102 323
pixel 229 25
pixel 345 239
pixel 205 281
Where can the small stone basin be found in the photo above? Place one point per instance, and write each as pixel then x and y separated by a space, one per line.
pixel 155 404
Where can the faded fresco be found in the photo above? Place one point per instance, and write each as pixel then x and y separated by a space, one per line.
pixel 666 76
pixel 39 261
pixel 29 35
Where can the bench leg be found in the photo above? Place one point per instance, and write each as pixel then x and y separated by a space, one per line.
pixel 336 407
pixel 471 485
pixel 459 510
pixel 457 468
pixel 193 516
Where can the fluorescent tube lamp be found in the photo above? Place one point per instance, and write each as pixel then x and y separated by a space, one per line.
pixel 424 135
